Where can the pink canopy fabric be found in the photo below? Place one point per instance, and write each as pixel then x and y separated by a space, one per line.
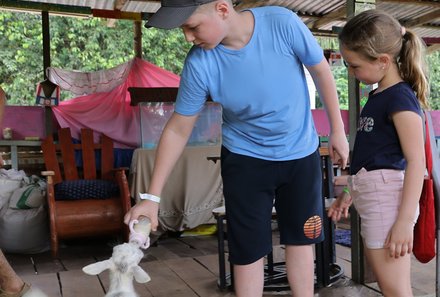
pixel 110 112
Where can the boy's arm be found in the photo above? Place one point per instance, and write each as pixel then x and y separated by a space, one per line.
pixel 325 84
pixel 171 145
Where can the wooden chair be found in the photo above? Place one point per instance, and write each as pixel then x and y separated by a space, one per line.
pixel 75 194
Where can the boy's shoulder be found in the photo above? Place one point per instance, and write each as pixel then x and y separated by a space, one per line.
pixel 275 13
pixel 265 10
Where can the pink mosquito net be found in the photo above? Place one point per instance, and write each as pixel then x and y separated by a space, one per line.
pixel 105 107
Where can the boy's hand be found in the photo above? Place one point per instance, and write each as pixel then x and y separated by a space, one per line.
pixel 338 149
pixel 147 208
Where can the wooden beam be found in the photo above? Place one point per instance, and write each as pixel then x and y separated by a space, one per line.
pixel 432 48
pixel 324 33
pixel 412 2
pixel 431 40
pixel 426 18
pixel 119 4
pixel 118 14
pixel 39 6
pixel 338 14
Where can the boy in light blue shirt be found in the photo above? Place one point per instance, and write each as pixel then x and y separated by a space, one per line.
pixel 251 62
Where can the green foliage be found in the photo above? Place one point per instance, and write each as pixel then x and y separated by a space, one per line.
pixel 76 44
pixel 165 48
pixel 21 52
pixel 433 61
pixel 88 44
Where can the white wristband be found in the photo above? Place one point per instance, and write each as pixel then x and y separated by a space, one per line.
pixel 146 196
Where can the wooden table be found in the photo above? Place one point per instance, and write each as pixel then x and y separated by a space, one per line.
pixel 192 191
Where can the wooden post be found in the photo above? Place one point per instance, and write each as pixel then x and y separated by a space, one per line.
pixel 48 115
pixel 360 270
pixel 137 40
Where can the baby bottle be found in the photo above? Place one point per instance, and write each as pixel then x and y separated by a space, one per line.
pixel 140 232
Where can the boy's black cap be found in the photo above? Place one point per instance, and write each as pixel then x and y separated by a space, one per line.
pixel 173 13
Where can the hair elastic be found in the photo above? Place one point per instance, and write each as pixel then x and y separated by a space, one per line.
pixel 403 30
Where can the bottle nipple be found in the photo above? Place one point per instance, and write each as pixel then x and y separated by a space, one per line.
pixel 140 232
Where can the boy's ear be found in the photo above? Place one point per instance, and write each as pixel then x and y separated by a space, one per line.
pixel 223 7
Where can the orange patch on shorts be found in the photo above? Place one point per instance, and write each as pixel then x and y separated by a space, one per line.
pixel 313 227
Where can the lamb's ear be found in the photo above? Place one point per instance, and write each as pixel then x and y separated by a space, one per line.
pixel 140 275
pixel 98 267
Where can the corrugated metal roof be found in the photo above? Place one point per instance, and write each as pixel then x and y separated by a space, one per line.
pixel 423 16
pixel 334 12
pixel 123 5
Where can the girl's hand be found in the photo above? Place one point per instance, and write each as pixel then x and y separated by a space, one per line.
pixel 400 239
pixel 340 207
pixel 340 180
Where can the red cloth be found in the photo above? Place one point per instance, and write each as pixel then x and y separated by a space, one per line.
pixel 110 112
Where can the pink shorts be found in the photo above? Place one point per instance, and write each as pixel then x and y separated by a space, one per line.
pixel 377 195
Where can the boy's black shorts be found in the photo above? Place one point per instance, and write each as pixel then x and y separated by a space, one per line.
pixel 253 186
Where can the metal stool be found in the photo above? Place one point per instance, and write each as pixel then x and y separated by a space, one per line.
pixel 275 274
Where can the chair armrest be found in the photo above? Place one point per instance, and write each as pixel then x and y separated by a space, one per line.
pixel 47 173
pixel 120 169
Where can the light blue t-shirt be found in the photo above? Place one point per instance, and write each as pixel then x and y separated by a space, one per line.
pixel 261 87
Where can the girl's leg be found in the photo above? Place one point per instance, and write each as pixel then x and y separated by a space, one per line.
pixel 249 279
pixel 300 270
pixel 393 275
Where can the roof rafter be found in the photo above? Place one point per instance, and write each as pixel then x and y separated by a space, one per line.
pixel 338 14
pixel 432 48
pixel 429 3
pixel 426 18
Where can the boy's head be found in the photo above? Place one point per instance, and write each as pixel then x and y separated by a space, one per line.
pixel 173 13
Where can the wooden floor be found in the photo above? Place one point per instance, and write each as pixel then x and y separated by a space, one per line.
pixel 178 266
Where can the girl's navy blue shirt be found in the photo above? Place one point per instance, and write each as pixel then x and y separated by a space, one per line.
pixel 377 144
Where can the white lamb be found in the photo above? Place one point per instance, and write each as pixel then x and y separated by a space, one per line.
pixel 123 266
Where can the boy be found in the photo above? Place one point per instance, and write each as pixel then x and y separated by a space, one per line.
pixel 251 62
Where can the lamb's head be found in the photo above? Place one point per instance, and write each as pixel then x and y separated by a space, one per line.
pixel 125 256
pixel 124 261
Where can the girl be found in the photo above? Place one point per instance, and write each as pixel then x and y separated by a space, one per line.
pixel 388 164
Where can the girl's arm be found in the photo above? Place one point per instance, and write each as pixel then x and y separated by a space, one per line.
pixel 410 131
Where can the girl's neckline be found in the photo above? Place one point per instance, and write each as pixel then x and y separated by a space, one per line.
pixel 377 91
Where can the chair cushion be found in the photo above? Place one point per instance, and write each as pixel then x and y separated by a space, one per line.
pixel 86 189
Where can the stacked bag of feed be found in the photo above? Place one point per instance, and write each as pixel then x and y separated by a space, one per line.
pixel 23 216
